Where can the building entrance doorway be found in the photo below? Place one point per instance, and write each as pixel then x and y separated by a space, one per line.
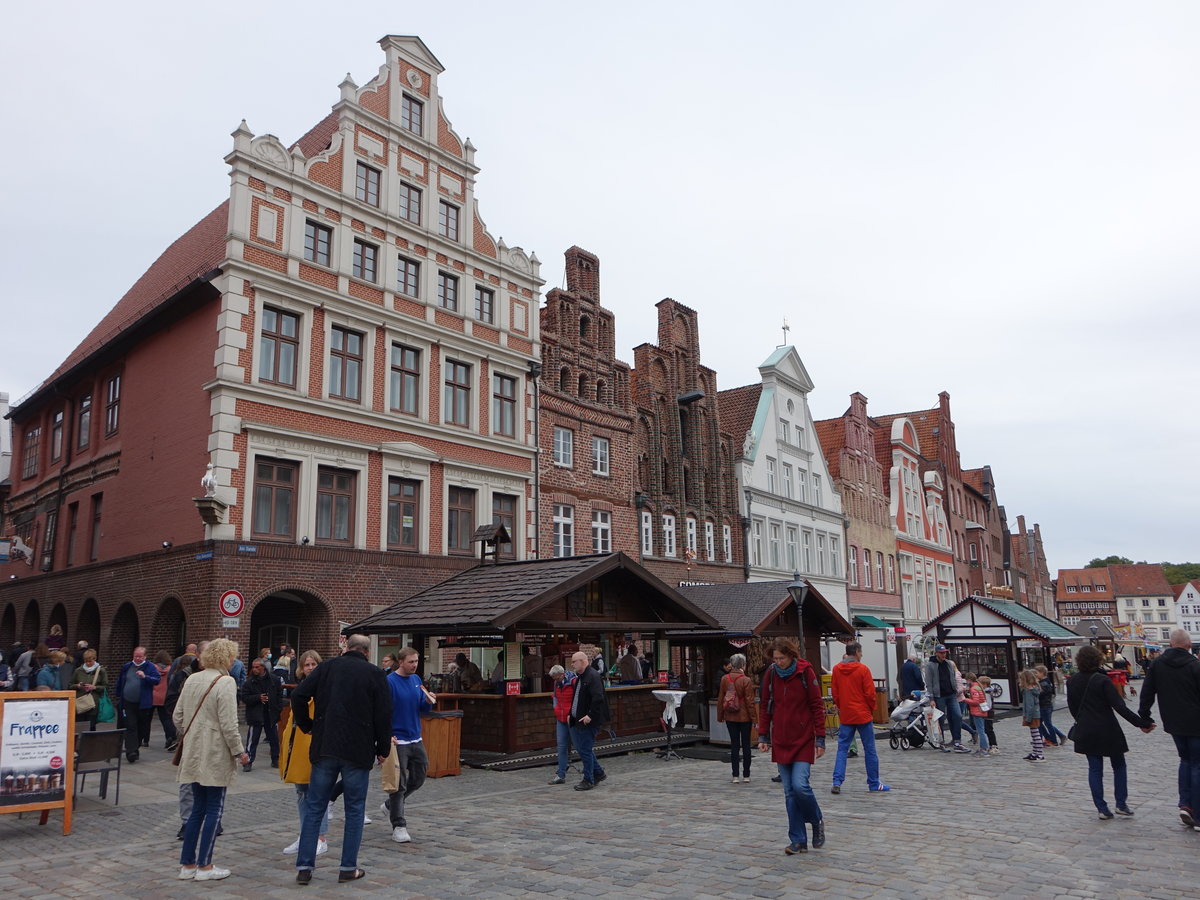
pixel 291 617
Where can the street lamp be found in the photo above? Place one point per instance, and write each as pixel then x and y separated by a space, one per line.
pixel 1095 630
pixel 798 591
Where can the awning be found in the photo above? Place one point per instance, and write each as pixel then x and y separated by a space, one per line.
pixel 870 622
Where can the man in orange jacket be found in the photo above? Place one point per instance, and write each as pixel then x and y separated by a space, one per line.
pixel 854 695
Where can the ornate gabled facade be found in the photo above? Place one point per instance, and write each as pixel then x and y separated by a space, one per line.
pixel 684 485
pixel 790 506
pixel 1028 570
pixel 985 532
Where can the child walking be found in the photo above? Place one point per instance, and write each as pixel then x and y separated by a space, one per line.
pixel 986 683
pixel 975 698
pixel 1031 691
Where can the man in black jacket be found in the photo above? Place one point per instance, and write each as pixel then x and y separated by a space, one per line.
pixel 261 695
pixel 589 710
pixel 351 730
pixel 1174 678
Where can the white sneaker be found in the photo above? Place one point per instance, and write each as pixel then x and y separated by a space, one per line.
pixel 383 808
pixel 332 811
pixel 292 847
pixel 186 874
pixel 745 779
pixel 213 874
pixel 735 780
pixel 322 847
pixel 366 819
pixel 400 835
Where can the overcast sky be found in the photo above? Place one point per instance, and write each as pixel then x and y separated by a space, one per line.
pixel 1000 201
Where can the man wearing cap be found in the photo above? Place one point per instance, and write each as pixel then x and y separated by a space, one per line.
pixel 941 681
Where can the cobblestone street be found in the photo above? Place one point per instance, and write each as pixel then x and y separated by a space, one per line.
pixel 953 825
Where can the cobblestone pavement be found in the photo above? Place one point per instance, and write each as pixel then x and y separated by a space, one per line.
pixel 953 825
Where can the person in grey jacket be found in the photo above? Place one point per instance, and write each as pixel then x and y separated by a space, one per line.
pixel 941 681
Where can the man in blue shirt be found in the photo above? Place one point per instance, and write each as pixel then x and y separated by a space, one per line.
pixel 409 700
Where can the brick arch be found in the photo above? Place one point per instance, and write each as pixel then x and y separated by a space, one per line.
pixel 168 629
pixel 123 634
pixel 298 606
pixel 31 622
pixel 58 616
pixel 8 627
pixel 87 623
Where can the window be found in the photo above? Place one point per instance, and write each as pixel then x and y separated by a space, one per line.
pixel 816 485
pixel 112 405
pixel 1071 589
pixel 1100 589
pixel 410 203
pixel 853 566
pixel 408 277
pixel 691 534
pixel 32 454
pixel 365 257
pixel 771 480
pixel 484 304
pixel 460 520
pixel 345 364
pixel 866 573
pixel 800 442
pixel 1164 617
pixel 94 543
pixel 504 405
pixel 774 545
pixel 278 347
pixel 56 435
pixel 564 531
pixel 72 531
pixel 504 512
pixel 274 498
pixel 891 573
pixel 83 422
pixel 783 431
pixel 1145 601
pixel 448 220
pixel 727 542
pixel 1086 588
pixel 821 557
pixel 335 506
pixel 973 552
pixel 835 556
pixel 647 533
pixel 447 291
pixel 601 531
pixel 787 480
pixel 412 114
pixel 404 387
pixel 802 485
pixel 879 569
pixel 366 184
pixel 564 447
pixel 668 525
pixel 806 545
pixel 317 239
pixel 457 394
pixel 710 542
pixel 599 456
pixel 793 548
pixel 1162 601
pixel 756 543
pixel 1128 600
pixel 403 514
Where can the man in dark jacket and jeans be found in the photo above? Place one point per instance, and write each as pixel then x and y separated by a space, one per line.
pixel 1174 678
pixel 589 710
pixel 351 729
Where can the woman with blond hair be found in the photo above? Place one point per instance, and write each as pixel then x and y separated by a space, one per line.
pixel 294 765
pixel 207 721
pixel 89 681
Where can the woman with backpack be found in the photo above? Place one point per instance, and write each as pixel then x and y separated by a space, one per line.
pixel 736 708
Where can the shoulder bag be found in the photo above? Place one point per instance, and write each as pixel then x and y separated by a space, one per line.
pixel 1071 730
pixel 178 757
pixel 86 702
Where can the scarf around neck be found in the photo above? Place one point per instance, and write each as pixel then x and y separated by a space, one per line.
pixel 784 673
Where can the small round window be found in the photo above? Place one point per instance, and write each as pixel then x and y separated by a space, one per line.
pixel 791 407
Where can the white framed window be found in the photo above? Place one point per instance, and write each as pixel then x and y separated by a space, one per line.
pixel 821 550
pixel 710 542
pixel 835 556
pixel 866 570
pixel 564 530
pixel 756 543
pixel 771 479
pixel 727 542
pixel 774 545
pixel 783 431
pixel 793 548
pixel 816 489
pixel 892 573
pixel 564 447
pixel 853 566
pixel 806 545
pixel 601 531
pixel 691 534
pixel 800 441
pixel 668 526
pixel 802 485
pixel 600 449
pixel 647 530
pixel 787 480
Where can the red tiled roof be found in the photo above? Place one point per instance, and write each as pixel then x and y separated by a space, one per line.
pixel 319 137
pixel 832 435
pixel 1077 577
pixel 1139 580
pixel 736 408
pixel 973 478
pixel 199 250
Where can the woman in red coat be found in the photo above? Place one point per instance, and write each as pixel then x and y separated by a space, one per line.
pixel 791 721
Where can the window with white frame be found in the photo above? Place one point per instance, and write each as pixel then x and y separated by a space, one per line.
pixel 564 447
pixel 668 526
pixel 647 531
pixel 787 480
pixel 710 542
pixel 866 570
pixel 822 559
pixel 800 437
pixel 756 543
pixel 564 530
pixel 727 542
pixel 891 573
pixel 816 484
pixel 601 531
pixel 600 448
pixel 771 480
pixel 691 534
pixel 853 566
pixel 774 545
pixel 835 556
pixel 793 548
pixel 802 484
pixel 879 569
pixel 806 541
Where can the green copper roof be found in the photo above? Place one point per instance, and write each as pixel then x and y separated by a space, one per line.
pixel 1027 618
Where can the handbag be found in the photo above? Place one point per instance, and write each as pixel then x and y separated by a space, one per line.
pixel 105 711
pixel 86 702
pixel 177 758
pixel 1071 730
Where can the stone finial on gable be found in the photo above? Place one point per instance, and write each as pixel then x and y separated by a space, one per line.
pixel 242 137
pixel 348 88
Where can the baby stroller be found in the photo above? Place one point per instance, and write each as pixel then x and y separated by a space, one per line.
pixel 915 722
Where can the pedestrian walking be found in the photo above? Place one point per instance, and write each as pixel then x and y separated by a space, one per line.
pixel 260 694
pixel 407 763
pixel 1050 735
pixel 163 662
pixel 737 709
pixel 1027 684
pixel 351 729
pixel 564 693
pixel 941 681
pixel 1173 679
pixel 853 691
pixel 589 711
pixel 989 715
pixel 978 703
pixel 135 702
pixel 1093 699
pixel 89 681
pixel 206 716
pixel 791 724
pixel 294 764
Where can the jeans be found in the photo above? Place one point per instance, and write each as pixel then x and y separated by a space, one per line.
pixel 964 714
pixel 866 733
pixel 320 785
pixel 413 764
pixel 562 736
pixel 254 733
pixel 739 746
pixel 584 739
pixel 1049 733
pixel 800 800
pixel 1189 769
pixel 981 731
pixel 301 795
pixel 208 803
pixel 1096 780
pixel 951 707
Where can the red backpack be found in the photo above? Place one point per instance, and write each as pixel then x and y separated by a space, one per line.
pixel 732 701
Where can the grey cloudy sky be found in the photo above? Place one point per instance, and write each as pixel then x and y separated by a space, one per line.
pixel 996 200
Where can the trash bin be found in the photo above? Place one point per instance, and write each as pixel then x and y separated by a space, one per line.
pixel 441 732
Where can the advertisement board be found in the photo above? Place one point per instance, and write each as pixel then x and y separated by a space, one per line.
pixel 37 734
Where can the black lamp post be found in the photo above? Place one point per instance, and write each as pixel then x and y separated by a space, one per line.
pixel 798 591
pixel 1095 631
